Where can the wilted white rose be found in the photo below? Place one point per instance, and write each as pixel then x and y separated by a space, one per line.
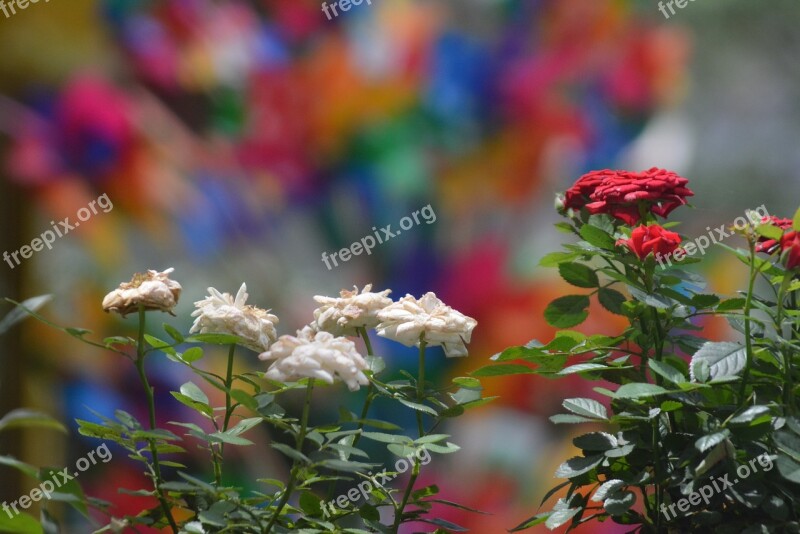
pixel 408 318
pixel 221 313
pixel 153 290
pixel 352 310
pixel 314 354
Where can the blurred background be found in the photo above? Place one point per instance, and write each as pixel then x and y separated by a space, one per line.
pixel 237 141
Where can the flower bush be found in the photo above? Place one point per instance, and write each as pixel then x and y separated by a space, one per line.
pixel 678 421
pixel 323 457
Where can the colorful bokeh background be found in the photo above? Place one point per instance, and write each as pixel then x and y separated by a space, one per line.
pixel 240 140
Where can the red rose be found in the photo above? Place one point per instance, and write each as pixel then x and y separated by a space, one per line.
pixel 766 244
pixel 621 193
pixel 653 239
pixel 790 245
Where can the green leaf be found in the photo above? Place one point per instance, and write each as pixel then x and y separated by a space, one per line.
pixel 192 354
pixel 635 390
pixel 69 491
pixel 604 221
pixel 620 452
pixel 706 442
pixel 245 399
pixel 607 488
pixel 19 312
pixel 570 419
pixel 597 237
pixel 578 466
pixel 731 304
pixel 651 299
pixel 619 502
pixel 578 275
pixel 561 511
pixel 796 221
pixel 503 370
pixel 769 231
pixel 555 258
pixel 670 406
pixel 118 340
pixel 788 468
pixel 566 312
pixel 750 414
pixel 214 339
pixel 26 418
pixel 290 452
pixel 191 390
pixel 226 437
pixel 10 461
pixel 723 358
pixel 173 333
pixel 702 300
pixel 667 371
pixel 611 299
pixel 418 407
pixel 788 443
pixel 20 524
pixel 377 423
pixel 205 409
pixel 447 448
pixel 586 408
pixel 431 438
pixel 595 441
pixel 159 344
pixel 244 425
pixel 583 368
pixel 467 382
pixel 401 450
pixel 387 438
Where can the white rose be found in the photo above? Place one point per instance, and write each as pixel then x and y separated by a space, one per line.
pixel 313 354
pixel 221 313
pixel 408 318
pixel 153 290
pixel 352 310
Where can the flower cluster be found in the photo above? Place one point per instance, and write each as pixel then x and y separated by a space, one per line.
pixel 319 350
pixel 625 195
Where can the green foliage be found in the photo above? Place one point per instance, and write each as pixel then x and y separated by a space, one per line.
pixel 683 411
pixel 325 459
